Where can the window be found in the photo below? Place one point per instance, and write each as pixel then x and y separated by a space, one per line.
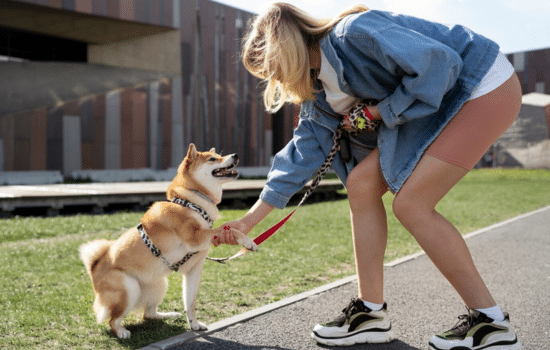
pixel 519 61
pixel 19 45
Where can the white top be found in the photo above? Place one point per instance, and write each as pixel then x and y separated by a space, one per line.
pixel 339 101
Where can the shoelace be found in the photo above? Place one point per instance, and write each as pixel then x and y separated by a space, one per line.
pixel 463 324
pixel 467 321
pixel 354 305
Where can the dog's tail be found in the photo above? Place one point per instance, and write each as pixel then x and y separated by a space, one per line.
pixel 92 252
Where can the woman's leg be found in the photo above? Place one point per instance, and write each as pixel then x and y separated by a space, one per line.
pixel 463 142
pixel 360 324
pixel 414 206
pixel 365 187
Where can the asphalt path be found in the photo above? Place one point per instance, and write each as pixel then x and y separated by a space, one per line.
pixel 513 257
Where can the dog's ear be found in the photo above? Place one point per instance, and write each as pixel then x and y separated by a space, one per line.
pixel 192 152
pixel 213 150
pixel 189 158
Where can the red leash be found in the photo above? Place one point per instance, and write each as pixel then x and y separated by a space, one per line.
pixel 265 235
pixel 273 229
pixel 318 177
pixel 258 240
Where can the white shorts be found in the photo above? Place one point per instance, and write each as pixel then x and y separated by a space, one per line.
pixel 498 74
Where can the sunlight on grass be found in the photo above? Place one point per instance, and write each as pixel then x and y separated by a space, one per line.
pixel 46 295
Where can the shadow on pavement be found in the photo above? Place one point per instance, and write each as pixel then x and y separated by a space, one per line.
pixel 394 345
pixel 210 342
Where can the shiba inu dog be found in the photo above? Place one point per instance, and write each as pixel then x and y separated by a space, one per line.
pixel 131 272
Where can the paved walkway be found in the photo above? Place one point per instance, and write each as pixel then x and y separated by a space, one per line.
pixel 513 257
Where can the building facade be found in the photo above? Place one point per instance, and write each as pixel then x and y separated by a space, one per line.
pixel 125 84
pixel 527 142
pixel 533 69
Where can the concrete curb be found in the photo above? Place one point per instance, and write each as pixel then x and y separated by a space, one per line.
pixel 231 321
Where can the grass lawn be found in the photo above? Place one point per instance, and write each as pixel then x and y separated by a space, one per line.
pixel 46 296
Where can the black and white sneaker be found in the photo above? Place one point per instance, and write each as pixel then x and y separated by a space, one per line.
pixel 476 331
pixel 357 324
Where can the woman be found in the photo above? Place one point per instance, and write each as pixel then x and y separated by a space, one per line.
pixel 443 96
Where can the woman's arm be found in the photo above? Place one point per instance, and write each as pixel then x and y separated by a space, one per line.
pixel 256 214
pixel 430 70
pixel 427 69
pixel 253 217
pixel 296 164
pixel 292 168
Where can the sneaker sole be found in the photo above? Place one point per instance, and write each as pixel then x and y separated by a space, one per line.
pixel 516 346
pixel 359 338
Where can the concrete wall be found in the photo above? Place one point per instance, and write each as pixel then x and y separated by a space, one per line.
pixel 530 127
pixel 527 142
pixel 72 144
pixel 112 131
pixel 202 94
pixel 158 52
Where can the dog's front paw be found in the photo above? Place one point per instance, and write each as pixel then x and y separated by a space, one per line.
pixel 123 333
pixel 247 243
pixel 253 246
pixel 197 326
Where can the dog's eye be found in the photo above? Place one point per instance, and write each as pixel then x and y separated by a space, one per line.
pixel 212 159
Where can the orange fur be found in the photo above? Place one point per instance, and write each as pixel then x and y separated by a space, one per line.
pixel 127 276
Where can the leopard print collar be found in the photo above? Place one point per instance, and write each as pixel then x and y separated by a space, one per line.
pixel 186 203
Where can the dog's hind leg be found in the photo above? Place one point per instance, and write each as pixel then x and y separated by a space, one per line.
pixel 126 301
pixel 190 287
pixel 153 294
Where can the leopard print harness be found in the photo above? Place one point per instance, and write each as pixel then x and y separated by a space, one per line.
pixel 156 251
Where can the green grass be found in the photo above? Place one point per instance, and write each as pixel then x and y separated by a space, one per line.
pixel 46 296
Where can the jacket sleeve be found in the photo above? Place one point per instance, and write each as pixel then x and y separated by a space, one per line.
pixel 427 70
pixel 293 166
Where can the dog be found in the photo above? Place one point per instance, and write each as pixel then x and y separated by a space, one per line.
pixel 176 235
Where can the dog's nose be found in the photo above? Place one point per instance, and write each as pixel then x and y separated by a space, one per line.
pixel 235 156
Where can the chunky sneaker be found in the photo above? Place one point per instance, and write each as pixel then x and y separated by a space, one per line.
pixel 357 324
pixel 475 331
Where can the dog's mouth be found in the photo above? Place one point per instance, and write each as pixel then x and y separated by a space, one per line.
pixel 229 171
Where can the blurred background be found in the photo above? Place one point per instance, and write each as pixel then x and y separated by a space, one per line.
pixel 94 86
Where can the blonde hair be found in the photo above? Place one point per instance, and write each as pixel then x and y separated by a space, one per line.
pixel 276 50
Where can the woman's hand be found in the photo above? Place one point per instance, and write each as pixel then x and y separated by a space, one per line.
pixel 256 214
pixel 362 117
pixel 226 237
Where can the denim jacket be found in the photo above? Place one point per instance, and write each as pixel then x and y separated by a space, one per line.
pixel 420 72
